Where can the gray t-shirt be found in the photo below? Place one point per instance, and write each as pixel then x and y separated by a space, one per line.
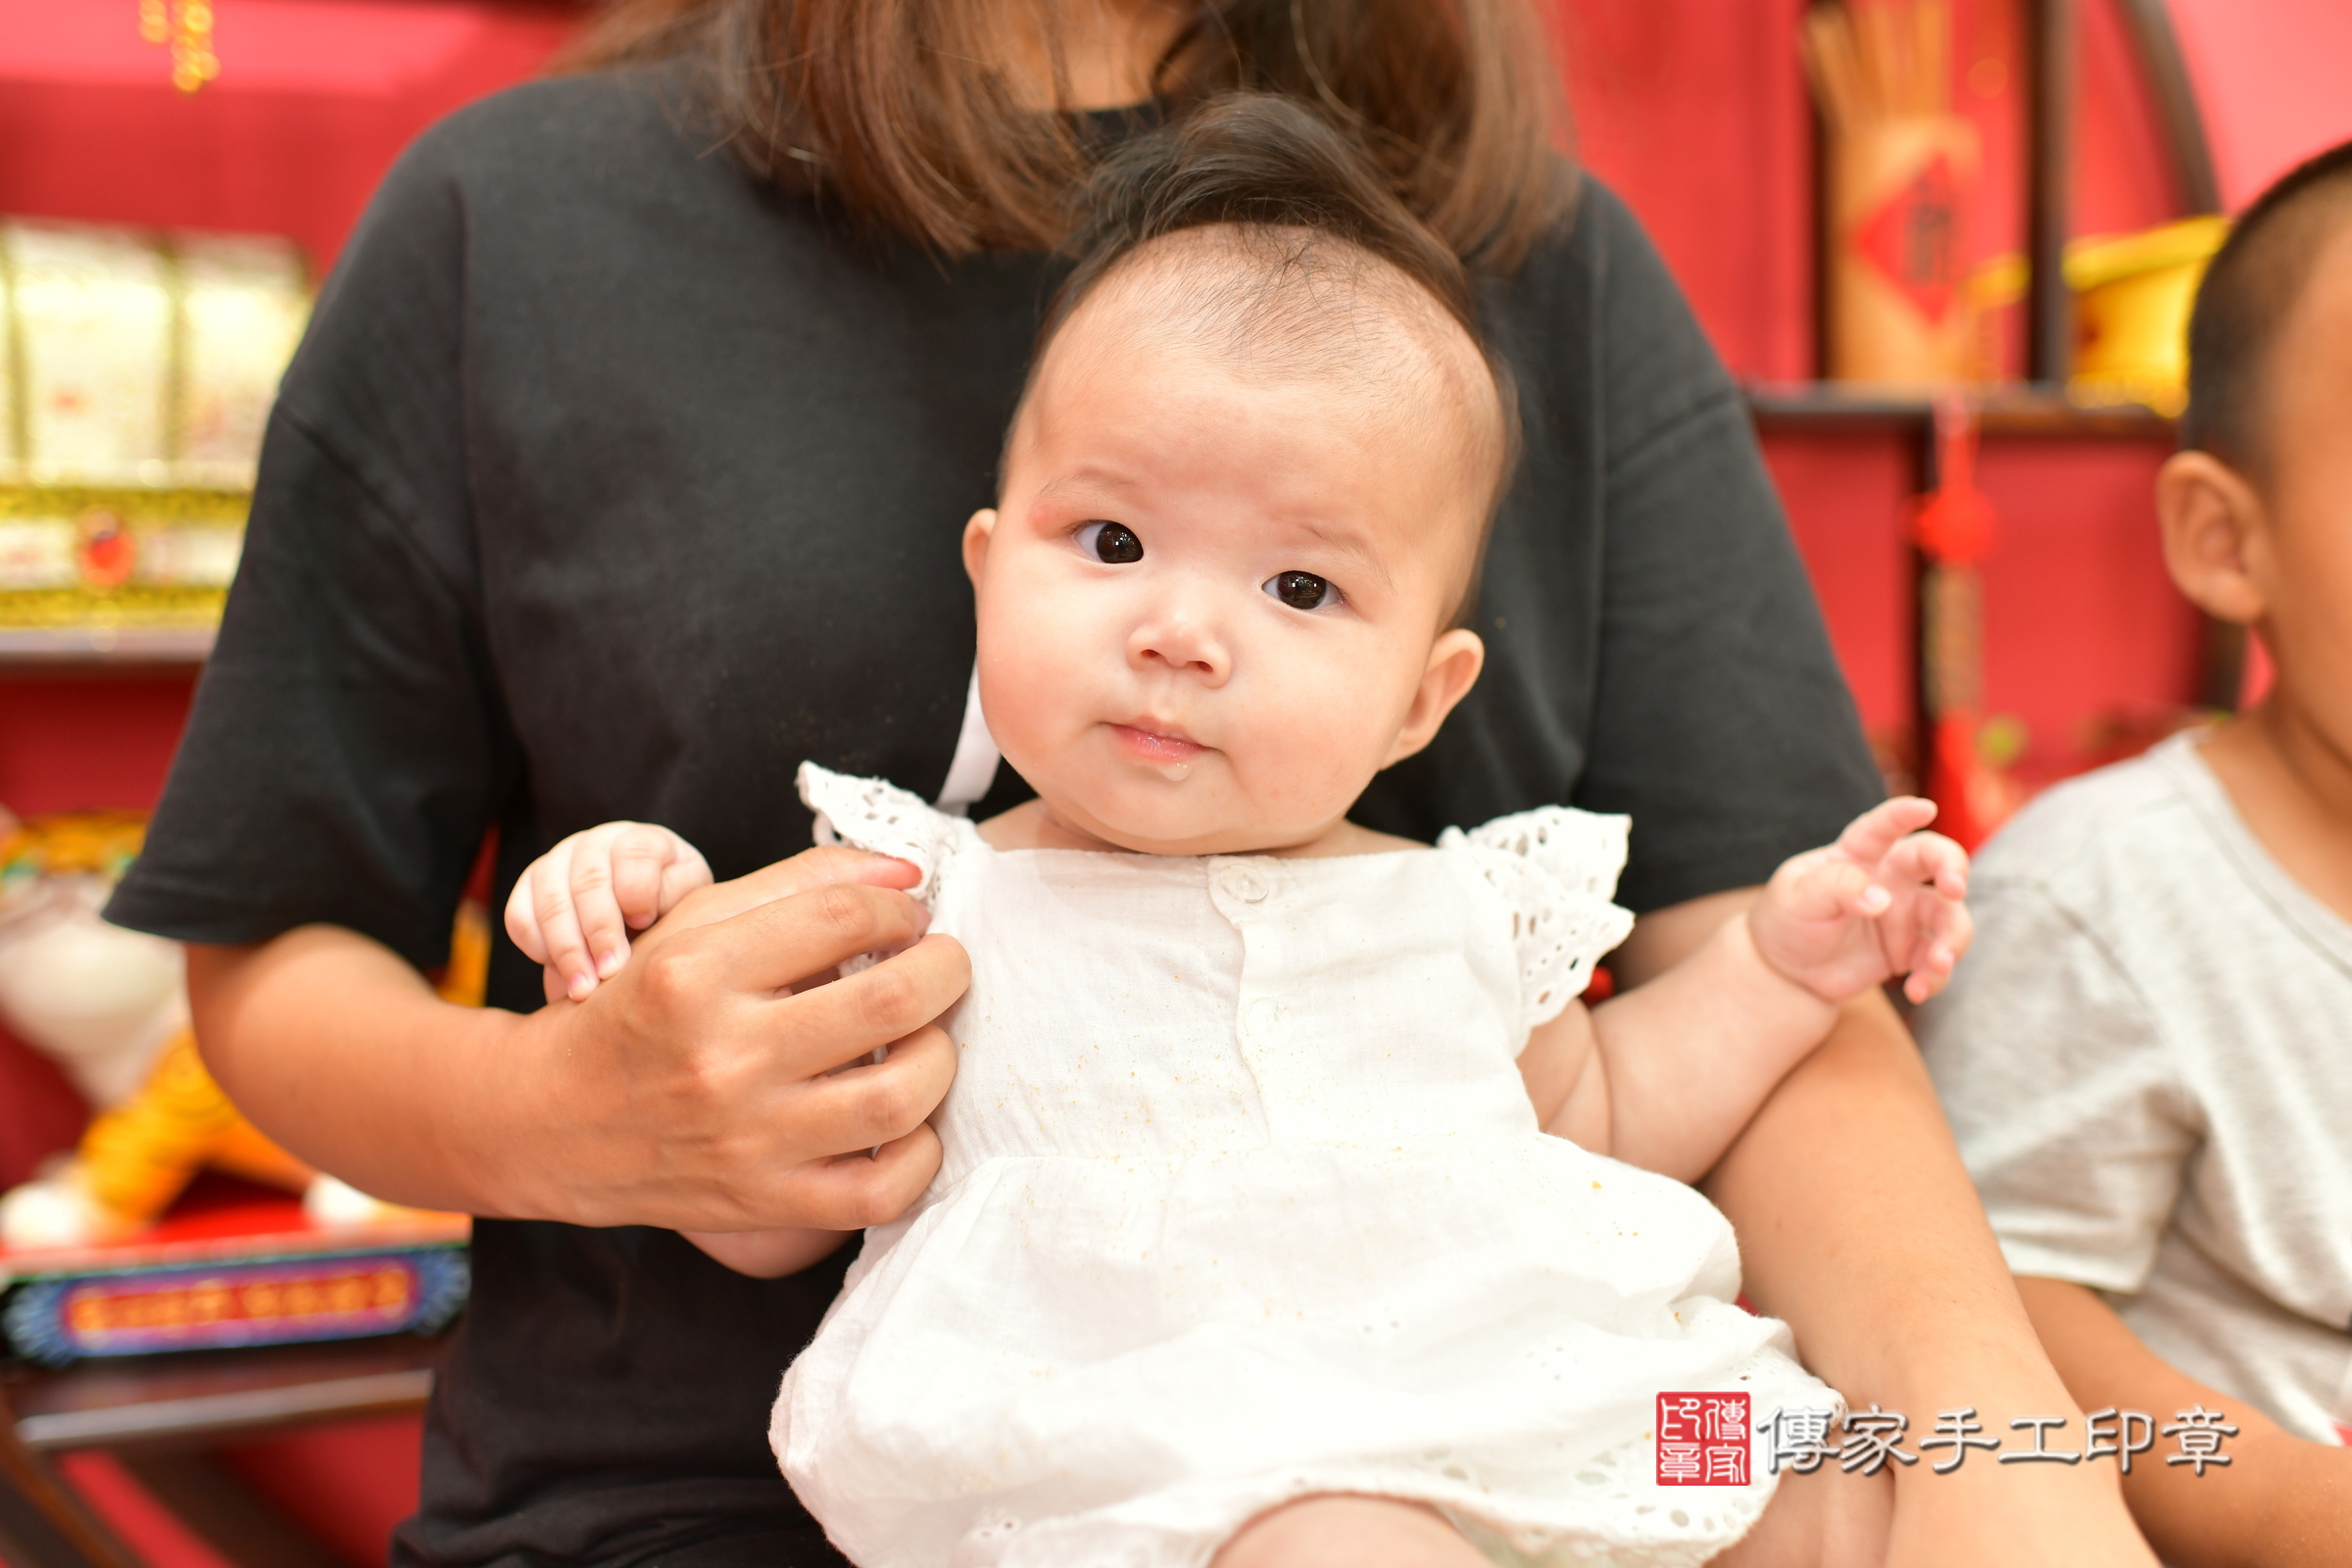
pixel 2147 1061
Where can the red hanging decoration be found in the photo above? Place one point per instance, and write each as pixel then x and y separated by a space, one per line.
pixel 1954 528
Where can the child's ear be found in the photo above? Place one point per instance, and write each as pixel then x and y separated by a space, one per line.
pixel 2214 539
pixel 976 535
pixel 1455 660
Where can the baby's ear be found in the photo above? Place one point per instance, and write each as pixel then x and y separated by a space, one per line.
pixel 2214 543
pixel 976 536
pixel 1455 660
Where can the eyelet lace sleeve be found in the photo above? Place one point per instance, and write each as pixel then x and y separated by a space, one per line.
pixel 1555 867
pixel 872 813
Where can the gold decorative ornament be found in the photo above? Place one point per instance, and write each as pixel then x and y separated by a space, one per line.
pixel 185 26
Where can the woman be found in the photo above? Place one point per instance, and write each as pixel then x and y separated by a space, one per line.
pixel 642 409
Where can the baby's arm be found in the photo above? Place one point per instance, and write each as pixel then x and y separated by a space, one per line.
pixel 1665 1075
pixel 583 898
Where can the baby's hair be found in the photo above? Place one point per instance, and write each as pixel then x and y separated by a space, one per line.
pixel 2244 305
pixel 1326 250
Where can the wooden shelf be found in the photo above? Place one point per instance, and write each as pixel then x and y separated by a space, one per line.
pixel 40 650
pixel 199 1395
pixel 1828 409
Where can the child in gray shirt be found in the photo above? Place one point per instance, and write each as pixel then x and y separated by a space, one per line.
pixel 2148 1059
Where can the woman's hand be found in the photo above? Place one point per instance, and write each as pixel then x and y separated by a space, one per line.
pixel 719 1083
pixel 728 1026
pixel 1886 900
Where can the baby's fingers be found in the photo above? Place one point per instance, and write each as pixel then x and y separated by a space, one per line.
pixel 1868 837
pixel 603 928
pixel 686 872
pixel 565 948
pixel 1931 860
pixel 1830 887
pixel 642 859
pixel 522 916
pixel 1945 929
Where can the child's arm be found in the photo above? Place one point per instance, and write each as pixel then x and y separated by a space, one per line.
pixel 2282 1500
pixel 573 909
pixel 1666 1075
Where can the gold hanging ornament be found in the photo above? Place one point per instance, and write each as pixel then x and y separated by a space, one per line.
pixel 187 26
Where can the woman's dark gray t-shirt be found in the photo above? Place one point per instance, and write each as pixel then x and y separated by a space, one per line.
pixel 612 483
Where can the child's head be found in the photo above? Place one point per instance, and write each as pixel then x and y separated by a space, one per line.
pixel 2257 507
pixel 1244 498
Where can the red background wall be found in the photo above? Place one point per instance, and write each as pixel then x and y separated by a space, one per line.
pixel 1695 110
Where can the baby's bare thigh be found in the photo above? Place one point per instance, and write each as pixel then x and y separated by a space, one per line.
pixel 1345 1532
pixel 1827 1519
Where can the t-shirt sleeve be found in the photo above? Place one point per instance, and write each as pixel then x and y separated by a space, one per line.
pixel 2060 1092
pixel 1720 722
pixel 346 750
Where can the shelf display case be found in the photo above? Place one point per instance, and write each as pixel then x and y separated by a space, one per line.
pixel 158 249
pixel 137 374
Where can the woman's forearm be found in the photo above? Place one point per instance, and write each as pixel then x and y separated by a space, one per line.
pixel 340 1051
pixel 1858 1226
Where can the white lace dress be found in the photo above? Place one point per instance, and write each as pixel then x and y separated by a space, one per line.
pixel 1243 1199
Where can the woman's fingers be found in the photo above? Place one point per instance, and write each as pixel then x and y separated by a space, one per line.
pixel 840 1024
pixel 808 870
pixel 772 946
pixel 873 1105
pixel 855 1191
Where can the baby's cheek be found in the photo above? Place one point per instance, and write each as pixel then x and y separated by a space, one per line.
pixel 1041 682
pixel 1317 740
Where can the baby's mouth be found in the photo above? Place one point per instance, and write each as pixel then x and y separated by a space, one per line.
pixel 1170 756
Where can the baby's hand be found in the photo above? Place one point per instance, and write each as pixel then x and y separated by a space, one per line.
pixel 573 910
pixel 1882 901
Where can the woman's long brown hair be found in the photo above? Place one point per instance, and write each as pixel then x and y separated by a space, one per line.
pixel 898 111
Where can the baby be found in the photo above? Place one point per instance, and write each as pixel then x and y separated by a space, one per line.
pixel 1249 1193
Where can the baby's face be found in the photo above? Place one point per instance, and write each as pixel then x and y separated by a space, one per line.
pixel 1213 604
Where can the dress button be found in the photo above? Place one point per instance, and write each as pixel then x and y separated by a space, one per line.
pixel 1268 1021
pixel 1246 883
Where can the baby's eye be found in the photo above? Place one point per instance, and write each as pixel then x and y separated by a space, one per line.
pixel 1302 590
pixel 1113 542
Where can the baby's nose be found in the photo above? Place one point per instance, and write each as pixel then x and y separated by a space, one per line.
pixel 1182 643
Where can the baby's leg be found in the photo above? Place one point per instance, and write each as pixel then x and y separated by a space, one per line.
pixel 1347 1532
pixel 1827 1519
